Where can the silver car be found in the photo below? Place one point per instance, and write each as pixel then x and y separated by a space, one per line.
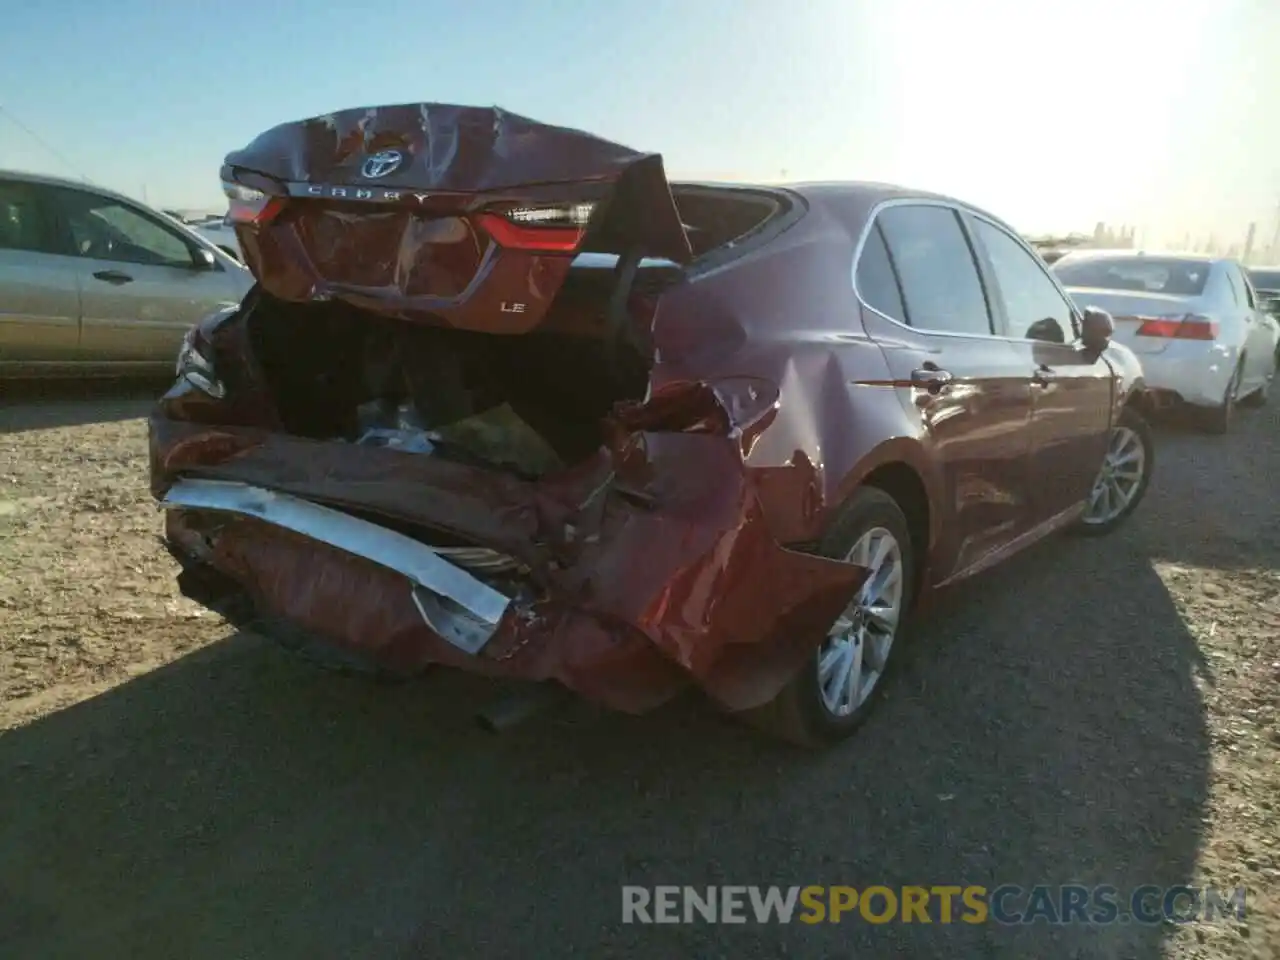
pixel 1194 321
pixel 93 282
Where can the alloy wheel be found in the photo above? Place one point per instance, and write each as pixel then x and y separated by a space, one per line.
pixel 853 657
pixel 1119 479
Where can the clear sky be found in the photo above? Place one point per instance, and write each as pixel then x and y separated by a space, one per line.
pixel 1055 115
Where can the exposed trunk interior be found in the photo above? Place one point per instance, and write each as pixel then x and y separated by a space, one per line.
pixel 526 403
pixel 336 371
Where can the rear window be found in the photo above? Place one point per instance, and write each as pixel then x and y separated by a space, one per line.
pixel 1185 278
pixel 716 217
pixel 1265 279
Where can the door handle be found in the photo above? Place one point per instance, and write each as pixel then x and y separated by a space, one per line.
pixel 931 377
pixel 1043 376
pixel 113 276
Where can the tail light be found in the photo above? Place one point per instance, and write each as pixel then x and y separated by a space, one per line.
pixel 195 365
pixel 248 205
pixel 1189 327
pixel 550 229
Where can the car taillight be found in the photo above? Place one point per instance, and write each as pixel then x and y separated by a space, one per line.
pixel 1189 327
pixel 248 205
pixel 551 229
pixel 195 365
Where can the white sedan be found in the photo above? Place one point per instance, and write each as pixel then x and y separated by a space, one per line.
pixel 1194 322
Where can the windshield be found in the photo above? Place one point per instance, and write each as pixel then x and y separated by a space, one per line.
pixel 1184 278
pixel 1265 279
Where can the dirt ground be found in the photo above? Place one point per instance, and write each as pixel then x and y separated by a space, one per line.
pixel 1103 712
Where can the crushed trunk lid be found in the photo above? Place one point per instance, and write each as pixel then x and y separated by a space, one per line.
pixel 465 216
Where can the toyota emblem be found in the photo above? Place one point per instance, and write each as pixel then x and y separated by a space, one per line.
pixel 381 163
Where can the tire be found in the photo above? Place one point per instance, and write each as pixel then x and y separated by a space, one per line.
pixel 1217 420
pixel 799 713
pixel 1259 397
pixel 1140 432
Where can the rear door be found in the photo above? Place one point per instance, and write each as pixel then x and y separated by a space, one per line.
pixel 969 389
pixel 141 286
pixel 1236 328
pixel 1260 336
pixel 39 301
pixel 1070 386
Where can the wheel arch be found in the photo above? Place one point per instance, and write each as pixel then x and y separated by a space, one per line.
pixel 1135 396
pixel 901 469
pixel 900 480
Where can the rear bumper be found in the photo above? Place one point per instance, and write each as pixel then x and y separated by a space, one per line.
pixel 1198 373
pixel 462 609
pixel 643 571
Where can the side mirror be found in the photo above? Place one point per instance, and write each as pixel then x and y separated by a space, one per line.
pixel 1096 328
pixel 1048 330
pixel 202 259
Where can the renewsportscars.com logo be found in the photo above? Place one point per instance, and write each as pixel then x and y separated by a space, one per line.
pixel 939 903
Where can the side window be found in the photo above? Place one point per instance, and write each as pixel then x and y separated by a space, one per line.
pixel 1035 308
pixel 940 286
pixel 26 219
pixel 105 229
pixel 876 280
pixel 1234 284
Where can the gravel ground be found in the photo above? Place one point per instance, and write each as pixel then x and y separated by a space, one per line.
pixel 1100 712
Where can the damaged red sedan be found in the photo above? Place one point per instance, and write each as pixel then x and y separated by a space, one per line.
pixel 507 400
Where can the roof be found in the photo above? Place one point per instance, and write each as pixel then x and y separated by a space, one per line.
pixel 52 181
pixel 1091 252
pixel 865 190
pixel 868 191
pixel 860 197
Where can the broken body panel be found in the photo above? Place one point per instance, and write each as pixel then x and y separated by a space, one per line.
pixel 649 564
pixel 647 567
pixel 470 217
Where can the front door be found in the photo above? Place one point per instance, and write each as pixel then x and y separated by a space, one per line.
pixel 1071 387
pixel 968 390
pixel 141 286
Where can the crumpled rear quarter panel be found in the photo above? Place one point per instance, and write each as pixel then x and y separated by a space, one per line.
pixel 635 601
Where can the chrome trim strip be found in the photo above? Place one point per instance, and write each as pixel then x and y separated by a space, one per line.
pixel 7 316
pixel 462 609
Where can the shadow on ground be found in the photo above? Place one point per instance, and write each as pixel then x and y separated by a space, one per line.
pixel 1044 729
pixel 44 404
